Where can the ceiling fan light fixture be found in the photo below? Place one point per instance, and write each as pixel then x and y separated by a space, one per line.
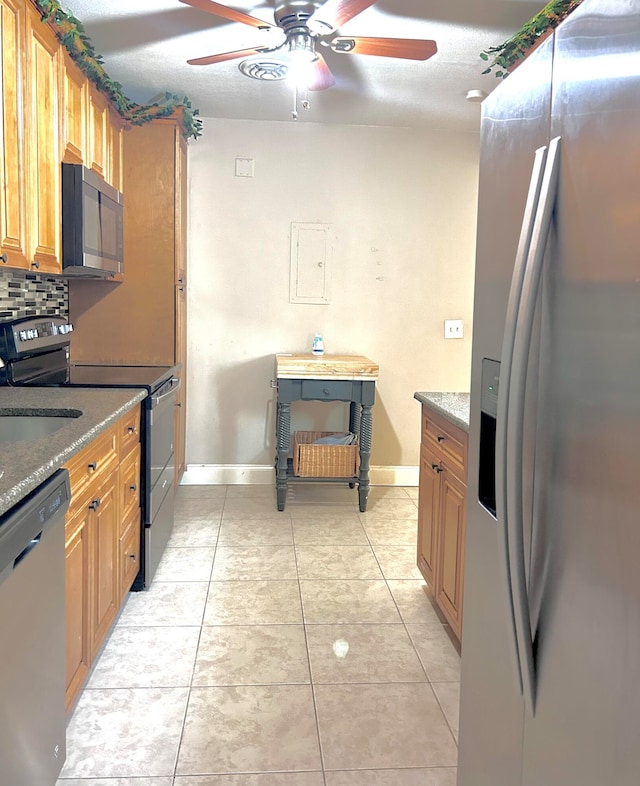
pixel 302 47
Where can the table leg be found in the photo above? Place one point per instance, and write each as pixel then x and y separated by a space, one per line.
pixel 355 411
pixel 366 432
pixel 283 434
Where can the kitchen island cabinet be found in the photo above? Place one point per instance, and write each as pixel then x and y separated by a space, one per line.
pixel 442 500
pixel 308 377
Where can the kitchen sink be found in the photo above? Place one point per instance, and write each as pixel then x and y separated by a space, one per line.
pixel 24 425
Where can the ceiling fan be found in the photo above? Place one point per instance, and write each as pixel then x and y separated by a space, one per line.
pixel 307 24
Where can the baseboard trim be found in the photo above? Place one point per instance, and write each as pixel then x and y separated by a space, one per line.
pixel 239 474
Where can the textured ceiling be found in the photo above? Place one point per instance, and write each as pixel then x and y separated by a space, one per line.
pixel 145 45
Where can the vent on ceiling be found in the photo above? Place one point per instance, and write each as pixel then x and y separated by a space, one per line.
pixel 266 70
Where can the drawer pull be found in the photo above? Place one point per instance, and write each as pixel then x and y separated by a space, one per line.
pixel 95 504
pixel 326 391
pixel 131 429
pixel 441 438
pixel 93 465
pixel 4 258
pixel 133 488
pixel 437 468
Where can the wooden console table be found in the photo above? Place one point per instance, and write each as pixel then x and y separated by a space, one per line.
pixel 349 378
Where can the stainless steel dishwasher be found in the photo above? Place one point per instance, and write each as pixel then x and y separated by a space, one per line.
pixel 32 641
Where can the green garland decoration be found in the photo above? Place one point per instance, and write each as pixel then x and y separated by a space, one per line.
pixel 73 37
pixel 508 54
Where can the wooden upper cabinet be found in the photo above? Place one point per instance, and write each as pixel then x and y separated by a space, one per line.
pixel 116 150
pixel 13 241
pixel 73 112
pixel 49 113
pixel 98 159
pixel 43 197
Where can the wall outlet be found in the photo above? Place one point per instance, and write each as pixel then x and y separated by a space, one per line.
pixel 453 328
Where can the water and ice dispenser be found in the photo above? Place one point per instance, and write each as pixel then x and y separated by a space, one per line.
pixel 488 416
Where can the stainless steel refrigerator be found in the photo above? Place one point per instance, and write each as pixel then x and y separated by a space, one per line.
pixel 550 687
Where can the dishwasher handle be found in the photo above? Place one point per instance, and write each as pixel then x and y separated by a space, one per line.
pixel 23 526
pixel 29 547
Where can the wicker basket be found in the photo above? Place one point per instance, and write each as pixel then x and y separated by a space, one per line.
pixel 323 461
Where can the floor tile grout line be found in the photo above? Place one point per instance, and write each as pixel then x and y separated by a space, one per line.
pixel 195 658
pixel 422 666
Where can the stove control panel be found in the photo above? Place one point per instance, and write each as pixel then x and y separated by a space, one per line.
pixel 32 335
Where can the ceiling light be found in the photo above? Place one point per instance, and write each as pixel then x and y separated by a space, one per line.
pixel 302 47
pixel 475 96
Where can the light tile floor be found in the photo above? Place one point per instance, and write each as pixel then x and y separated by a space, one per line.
pixel 293 648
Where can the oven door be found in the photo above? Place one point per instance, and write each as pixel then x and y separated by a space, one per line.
pixel 161 423
pixel 160 502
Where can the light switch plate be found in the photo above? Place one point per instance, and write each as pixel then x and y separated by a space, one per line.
pixel 453 328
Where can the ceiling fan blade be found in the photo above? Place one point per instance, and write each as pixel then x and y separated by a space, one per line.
pixel 405 48
pixel 227 13
pixel 321 77
pixel 224 56
pixel 334 13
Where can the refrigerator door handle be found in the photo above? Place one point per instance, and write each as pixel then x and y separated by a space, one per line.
pixel 516 415
pixel 515 293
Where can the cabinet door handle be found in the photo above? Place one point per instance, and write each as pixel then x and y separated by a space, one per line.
pixel 441 438
pixel 131 429
pixel 437 468
pixel 132 556
pixel 133 488
pixel 35 264
pixel 4 258
pixel 93 465
pixel 95 504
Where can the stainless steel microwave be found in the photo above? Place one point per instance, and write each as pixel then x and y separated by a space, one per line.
pixel 92 224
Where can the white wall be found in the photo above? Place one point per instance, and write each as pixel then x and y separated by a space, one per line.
pixel 403 207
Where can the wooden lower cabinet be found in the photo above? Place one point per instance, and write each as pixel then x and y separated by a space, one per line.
pixel 451 529
pixel 104 526
pixel 102 544
pixel 129 549
pixel 429 500
pixel 77 582
pixel 442 514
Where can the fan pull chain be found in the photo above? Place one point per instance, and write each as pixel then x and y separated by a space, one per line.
pixel 304 100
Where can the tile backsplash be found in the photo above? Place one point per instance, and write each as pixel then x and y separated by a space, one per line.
pixel 25 294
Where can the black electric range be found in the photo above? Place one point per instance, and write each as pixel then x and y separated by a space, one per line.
pixel 34 351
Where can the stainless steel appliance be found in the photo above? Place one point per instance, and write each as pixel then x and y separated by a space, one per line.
pixel 35 351
pixel 551 636
pixel 32 644
pixel 92 224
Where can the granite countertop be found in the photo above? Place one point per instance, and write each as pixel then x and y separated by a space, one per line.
pixel 24 465
pixel 453 406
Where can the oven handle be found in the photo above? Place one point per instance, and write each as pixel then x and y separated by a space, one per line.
pixel 173 389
